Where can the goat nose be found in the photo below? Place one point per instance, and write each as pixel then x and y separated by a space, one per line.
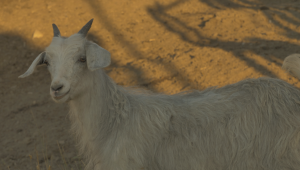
pixel 57 87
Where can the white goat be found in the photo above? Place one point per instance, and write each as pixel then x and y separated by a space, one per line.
pixel 250 125
pixel 292 64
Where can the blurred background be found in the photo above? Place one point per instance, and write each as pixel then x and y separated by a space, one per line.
pixel 166 46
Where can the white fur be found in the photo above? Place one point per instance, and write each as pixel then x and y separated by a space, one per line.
pixel 250 125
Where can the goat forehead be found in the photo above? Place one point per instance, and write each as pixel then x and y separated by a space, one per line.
pixel 62 47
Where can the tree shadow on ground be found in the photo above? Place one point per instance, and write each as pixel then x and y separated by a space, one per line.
pixel 278 12
pixel 272 51
pixel 137 54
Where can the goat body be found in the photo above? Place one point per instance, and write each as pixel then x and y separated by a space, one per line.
pixel 253 124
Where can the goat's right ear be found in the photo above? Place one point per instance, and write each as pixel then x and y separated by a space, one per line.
pixel 96 56
pixel 38 61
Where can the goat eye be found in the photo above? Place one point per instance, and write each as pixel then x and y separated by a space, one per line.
pixel 46 62
pixel 82 60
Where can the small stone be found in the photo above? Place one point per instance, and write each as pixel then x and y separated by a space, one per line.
pixel 37 34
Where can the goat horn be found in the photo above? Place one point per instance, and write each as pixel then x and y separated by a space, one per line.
pixel 86 28
pixel 56 31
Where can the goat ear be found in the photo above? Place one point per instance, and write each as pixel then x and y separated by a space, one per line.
pixel 96 56
pixel 38 61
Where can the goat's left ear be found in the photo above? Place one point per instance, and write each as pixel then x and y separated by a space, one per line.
pixel 96 56
pixel 38 61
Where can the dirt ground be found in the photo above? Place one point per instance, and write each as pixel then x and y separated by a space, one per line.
pixel 166 46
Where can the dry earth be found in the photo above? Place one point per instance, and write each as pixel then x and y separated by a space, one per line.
pixel 166 46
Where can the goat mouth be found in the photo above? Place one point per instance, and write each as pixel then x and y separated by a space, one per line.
pixel 61 96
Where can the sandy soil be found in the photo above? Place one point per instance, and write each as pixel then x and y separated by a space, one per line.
pixel 166 46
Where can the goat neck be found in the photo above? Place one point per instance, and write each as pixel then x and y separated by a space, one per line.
pixel 102 108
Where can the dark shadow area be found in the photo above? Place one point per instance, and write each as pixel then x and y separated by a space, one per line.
pixel 134 52
pixel 30 123
pixel 272 51
pixel 15 53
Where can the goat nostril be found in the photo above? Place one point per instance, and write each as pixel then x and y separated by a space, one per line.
pixel 57 88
